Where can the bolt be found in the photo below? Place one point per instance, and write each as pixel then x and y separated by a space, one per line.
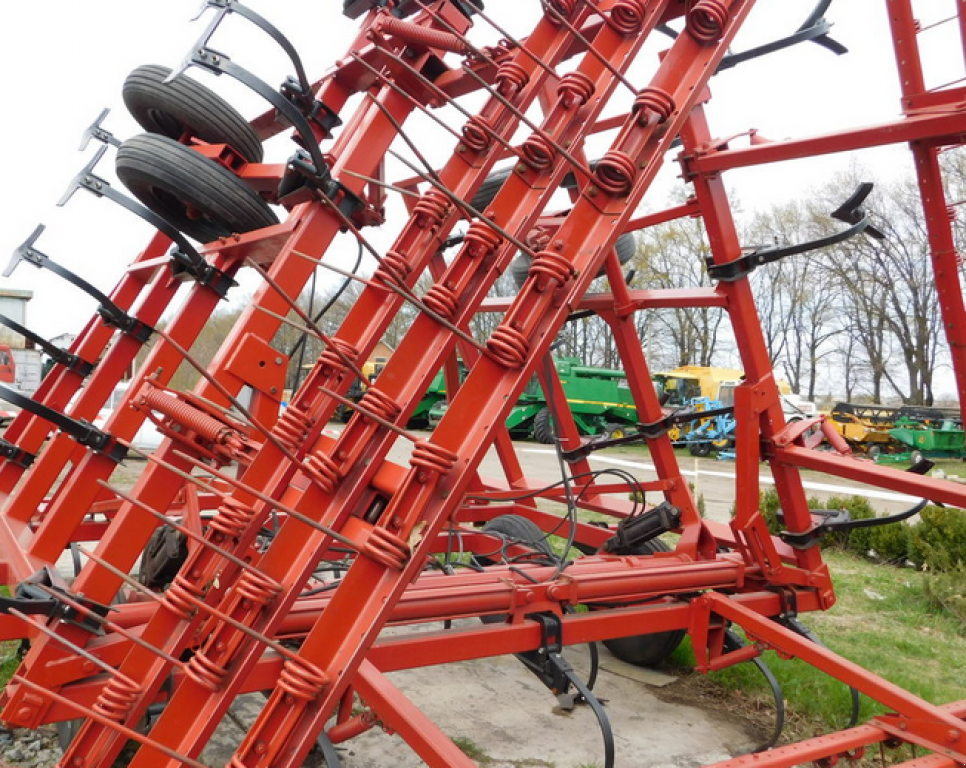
pixel 274 390
pixel 952 736
pixel 278 361
pixel 261 747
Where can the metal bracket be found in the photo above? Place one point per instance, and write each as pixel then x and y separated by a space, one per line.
pixel 95 131
pixel 187 261
pixel 849 212
pixel 58 354
pixel 82 431
pixel 33 596
pixel 16 454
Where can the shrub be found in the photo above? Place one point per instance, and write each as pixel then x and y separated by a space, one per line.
pixel 947 592
pixel 889 542
pixel 938 541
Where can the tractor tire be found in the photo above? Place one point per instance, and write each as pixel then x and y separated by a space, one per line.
pixel 488 189
pixel 543 427
pixel 699 448
pixel 646 650
pixel 192 193
pixel 875 452
pixel 185 106
pixel 515 529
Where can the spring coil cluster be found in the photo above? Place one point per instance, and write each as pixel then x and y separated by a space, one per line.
pixel 117 697
pixel 302 679
pixel 706 20
pixel 575 88
pixel 259 588
pixel 379 403
pixel 615 172
pixel 232 518
pixel 478 133
pixel 431 209
pixel 182 597
pixel 323 470
pixel 442 301
pixel 205 672
pixel 653 101
pixel 334 356
pixel 563 8
pixel 552 266
pixel 511 78
pixel 481 240
pixel 432 457
pixel 386 549
pixel 393 268
pixel 538 151
pixel 508 347
pixel 627 16
pixel 292 427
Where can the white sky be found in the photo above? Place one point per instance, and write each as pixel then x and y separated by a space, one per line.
pixel 63 60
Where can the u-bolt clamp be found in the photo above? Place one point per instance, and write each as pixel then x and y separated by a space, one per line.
pixel 187 261
pixel 107 309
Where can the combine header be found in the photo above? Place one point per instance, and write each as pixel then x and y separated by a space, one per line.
pixel 271 555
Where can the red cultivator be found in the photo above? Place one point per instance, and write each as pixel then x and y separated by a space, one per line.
pixel 246 506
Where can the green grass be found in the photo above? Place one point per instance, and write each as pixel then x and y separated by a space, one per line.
pixel 883 623
pixel 9 653
pixel 472 750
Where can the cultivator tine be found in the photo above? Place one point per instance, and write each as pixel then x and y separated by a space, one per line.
pixel 86 175
pixel 58 354
pixel 96 131
pixel 83 432
pixel 110 312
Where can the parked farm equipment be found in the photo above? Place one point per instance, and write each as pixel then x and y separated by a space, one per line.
pixel 271 554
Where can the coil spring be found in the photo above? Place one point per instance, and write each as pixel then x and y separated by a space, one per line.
pixel 379 403
pixel 292 427
pixel 182 597
pixel 117 697
pixel 477 133
pixel 302 679
pixel 417 35
pixel 206 672
pixel 432 457
pixel 323 470
pixel 508 347
pixel 951 213
pixel 258 587
pixel 538 152
pixel 179 411
pixel 656 101
pixel 511 78
pixel 552 265
pixel 706 20
pixel 386 549
pixel 481 239
pixel 331 360
pixel 615 172
pixel 431 210
pixel 563 7
pixel 393 269
pixel 441 300
pixel 627 16
pixel 233 518
pixel 575 88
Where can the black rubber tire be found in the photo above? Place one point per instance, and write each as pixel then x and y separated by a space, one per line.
pixel 517 529
pixel 186 106
pixel 193 193
pixel 699 447
pixel 543 428
pixel 875 452
pixel 488 189
pixel 651 649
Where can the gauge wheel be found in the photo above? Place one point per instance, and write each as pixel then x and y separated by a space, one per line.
pixel 185 106
pixel 542 427
pixel 192 193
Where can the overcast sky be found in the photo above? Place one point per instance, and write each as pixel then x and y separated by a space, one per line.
pixel 64 60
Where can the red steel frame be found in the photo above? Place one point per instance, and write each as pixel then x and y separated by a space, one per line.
pixel 232 602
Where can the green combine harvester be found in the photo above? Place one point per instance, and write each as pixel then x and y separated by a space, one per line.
pixel 598 398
